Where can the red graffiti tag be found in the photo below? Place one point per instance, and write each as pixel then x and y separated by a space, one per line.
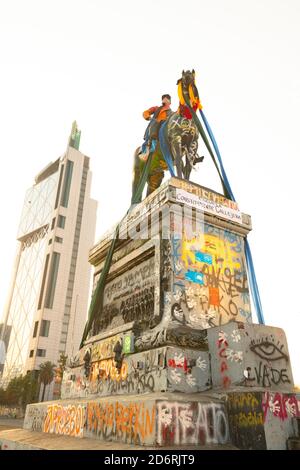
pixel 222 346
pixel 282 406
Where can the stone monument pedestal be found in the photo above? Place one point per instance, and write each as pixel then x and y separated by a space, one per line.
pixel 173 358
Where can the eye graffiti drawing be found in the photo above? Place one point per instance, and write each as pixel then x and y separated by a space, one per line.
pixel 267 350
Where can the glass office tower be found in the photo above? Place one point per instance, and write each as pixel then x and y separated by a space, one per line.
pixel 48 299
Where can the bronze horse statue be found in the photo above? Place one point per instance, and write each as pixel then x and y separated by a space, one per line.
pixel 181 136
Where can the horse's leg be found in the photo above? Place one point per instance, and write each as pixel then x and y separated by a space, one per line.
pixel 192 154
pixel 176 149
pixel 187 169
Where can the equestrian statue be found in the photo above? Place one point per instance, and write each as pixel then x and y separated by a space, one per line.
pixel 177 130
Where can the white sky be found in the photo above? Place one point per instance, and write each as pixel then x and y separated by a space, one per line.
pixel 103 63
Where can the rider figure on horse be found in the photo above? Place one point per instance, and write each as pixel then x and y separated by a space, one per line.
pixel 156 115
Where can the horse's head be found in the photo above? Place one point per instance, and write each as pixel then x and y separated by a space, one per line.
pixel 187 78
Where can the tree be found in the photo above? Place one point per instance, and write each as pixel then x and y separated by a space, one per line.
pixel 61 365
pixel 30 394
pixel 15 391
pixel 46 375
pixel 20 391
pixel 2 396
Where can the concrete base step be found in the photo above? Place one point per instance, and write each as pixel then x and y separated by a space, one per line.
pixel 156 419
pixel 22 439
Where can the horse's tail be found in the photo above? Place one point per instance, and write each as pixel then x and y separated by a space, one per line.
pixel 136 160
pixel 136 155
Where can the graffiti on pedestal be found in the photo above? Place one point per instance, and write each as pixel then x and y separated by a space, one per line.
pixel 246 420
pixel 166 264
pixel 35 417
pixel 136 375
pixel 272 362
pixel 104 349
pixel 130 422
pixel 188 371
pixel 281 406
pixel 191 423
pixel 210 283
pixel 107 369
pixel 253 415
pixel 159 369
pixel 228 354
pixel 250 356
pixel 65 420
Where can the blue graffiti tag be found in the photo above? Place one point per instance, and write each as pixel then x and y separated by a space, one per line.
pixel 194 276
pixel 203 257
pixel 246 314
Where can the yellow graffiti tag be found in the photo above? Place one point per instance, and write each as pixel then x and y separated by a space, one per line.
pixel 220 250
pixel 107 369
pixel 249 419
pixel 242 400
pixel 105 349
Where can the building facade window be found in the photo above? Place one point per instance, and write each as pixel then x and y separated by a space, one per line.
pixel 67 184
pixel 41 352
pixel 53 223
pixel 61 221
pixel 31 353
pixel 58 239
pixel 59 186
pixel 52 280
pixel 36 325
pixel 43 282
pixel 45 327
